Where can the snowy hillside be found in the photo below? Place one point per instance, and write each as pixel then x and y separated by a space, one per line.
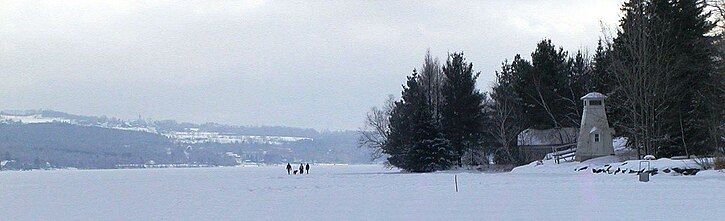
pixel 44 139
pixel 367 192
pixel 190 135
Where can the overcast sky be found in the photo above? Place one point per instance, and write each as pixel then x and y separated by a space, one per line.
pixel 316 64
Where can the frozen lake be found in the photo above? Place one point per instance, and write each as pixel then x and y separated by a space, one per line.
pixel 361 192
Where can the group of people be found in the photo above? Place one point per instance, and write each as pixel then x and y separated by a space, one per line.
pixel 301 170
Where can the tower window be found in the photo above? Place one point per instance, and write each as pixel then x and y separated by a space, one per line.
pixel 596 137
pixel 595 102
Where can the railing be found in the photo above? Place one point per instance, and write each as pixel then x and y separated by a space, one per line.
pixel 563 151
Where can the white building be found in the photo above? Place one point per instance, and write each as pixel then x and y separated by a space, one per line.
pixel 595 135
pixel 536 144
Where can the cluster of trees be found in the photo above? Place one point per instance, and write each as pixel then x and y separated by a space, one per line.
pixel 666 69
pixel 541 93
pixel 437 123
pixel 662 71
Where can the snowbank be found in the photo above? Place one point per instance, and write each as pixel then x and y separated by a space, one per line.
pixel 608 163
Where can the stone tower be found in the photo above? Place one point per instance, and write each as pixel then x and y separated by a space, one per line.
pixel 595 135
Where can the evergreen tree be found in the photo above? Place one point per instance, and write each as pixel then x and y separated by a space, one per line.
pixel 430 151
pixel 698 104
pixel 543 85
pixel 399 141
pixel 414 143
pixel 506 117
pixel 461 115
pixel 599 79
pixel 668 87
pixel 575 84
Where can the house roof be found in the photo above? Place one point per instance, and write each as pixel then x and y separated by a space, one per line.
pixel 548 137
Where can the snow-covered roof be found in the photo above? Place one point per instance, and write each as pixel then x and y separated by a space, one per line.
pixel 594 95
pixel 554 136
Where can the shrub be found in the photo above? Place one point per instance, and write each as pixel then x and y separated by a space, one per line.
pixel 705 163
pixel 719 163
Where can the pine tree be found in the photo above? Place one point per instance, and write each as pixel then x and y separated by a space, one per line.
pixel 667 83
pixel 699 104
pixel 599 79
pixel 414 143
pixel 506 117
pixel 575 84
pixel 543 84
pixel 461 115
pixel 431 151
pixel 399 143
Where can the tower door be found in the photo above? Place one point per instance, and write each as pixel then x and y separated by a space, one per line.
pixel 595 141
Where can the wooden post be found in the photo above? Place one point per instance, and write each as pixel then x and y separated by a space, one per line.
pixel 455 178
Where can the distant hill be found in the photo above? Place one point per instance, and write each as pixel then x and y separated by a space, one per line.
pixel 50 139
pixel 66 145
pixel 158 125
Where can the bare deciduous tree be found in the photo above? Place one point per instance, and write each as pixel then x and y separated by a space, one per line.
pixel 375 132
pixel 505 118
pixel 431 78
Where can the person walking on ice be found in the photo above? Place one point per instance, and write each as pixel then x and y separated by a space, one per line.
pixel 307 167
pixel 302 169
pixel 289 168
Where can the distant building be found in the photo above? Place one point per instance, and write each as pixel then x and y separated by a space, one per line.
pixel 535 144
pixel 595 135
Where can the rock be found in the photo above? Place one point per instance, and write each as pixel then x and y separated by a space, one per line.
pixel 690 171
pixel 652 172
pixel 640 171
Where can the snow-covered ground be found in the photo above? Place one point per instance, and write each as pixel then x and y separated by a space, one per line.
pixel 353 192
pixel 610 164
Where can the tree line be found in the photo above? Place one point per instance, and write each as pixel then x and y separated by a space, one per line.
pixel 662 72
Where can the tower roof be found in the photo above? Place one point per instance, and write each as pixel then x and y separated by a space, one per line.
pixel 594 95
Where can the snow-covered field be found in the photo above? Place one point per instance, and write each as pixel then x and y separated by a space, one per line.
pixel 355 192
